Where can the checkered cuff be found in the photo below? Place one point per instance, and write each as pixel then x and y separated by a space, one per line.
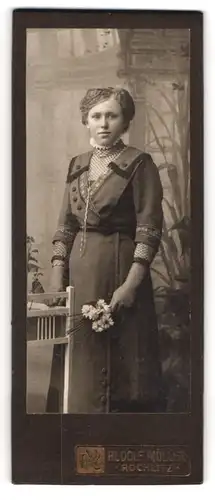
pixel 144 253
pixel 59 254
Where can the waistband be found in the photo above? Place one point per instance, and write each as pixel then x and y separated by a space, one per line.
pixel 108 230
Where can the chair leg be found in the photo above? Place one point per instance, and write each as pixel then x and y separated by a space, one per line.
pixel 55 392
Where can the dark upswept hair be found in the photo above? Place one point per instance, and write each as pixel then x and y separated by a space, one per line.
pixel 97 95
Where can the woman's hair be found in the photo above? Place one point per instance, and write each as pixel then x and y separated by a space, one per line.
pixel 96 95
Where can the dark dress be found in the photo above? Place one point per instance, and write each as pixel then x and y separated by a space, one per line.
pixel 117 370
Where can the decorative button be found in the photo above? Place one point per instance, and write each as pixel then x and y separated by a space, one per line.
pixel 104 371
pixel 103 399
pixel 73 188
pixel 75 198
pixel 79 207
pixel 104 383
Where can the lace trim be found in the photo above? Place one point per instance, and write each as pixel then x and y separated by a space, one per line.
pixel 105 150
pixel 60 249
pixel 149 231
pixel 144 252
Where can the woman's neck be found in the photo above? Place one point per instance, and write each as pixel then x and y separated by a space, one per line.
pixel 117 143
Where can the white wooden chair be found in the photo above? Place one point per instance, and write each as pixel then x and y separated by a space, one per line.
pixel 50 326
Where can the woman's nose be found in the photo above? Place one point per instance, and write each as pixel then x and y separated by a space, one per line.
pixel 104 122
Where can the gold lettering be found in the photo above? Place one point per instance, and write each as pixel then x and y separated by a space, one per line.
pixel 111 456
pixel 158 456
pixel 131 467
pixel 155 468
pixel 123 456
pixel 151 455
pixel 124 467
pixel 130 456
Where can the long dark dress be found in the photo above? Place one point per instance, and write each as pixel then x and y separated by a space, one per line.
pixel 117 370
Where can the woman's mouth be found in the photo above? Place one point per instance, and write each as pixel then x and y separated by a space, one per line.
pixel 104 133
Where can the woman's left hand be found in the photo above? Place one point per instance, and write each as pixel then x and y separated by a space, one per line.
pixel 123 296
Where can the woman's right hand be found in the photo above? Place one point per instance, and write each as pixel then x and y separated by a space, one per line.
pixel 57 285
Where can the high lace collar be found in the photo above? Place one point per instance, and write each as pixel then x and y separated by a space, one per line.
pixel 117 146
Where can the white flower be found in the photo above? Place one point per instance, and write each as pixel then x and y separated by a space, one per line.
pixel 93 313
pixel 96 326
pixel 100 315
pixel 86 310
pixel 89 311
pixel 100 302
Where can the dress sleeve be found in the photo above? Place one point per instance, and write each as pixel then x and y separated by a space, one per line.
pixel 67 228
pixel 148 194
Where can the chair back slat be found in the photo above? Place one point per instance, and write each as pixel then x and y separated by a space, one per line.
pixel 57 311
pixel 42 328
pixel 53 328
pixel 50 327
pixel 47 296
pixel 38 328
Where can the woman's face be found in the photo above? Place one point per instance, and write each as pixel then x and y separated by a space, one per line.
pixel 105 122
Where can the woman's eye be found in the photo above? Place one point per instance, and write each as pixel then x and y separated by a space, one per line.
pixel 98 116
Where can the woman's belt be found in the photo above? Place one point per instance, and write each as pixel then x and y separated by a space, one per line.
pixel 109 229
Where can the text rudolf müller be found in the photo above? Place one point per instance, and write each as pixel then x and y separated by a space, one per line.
pixel 157 455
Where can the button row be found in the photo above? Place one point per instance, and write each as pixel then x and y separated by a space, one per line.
pixel 79 206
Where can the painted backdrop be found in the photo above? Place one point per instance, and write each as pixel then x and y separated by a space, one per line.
pixel 154 66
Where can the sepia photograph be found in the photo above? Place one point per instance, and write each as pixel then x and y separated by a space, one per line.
pixel 107 190
pixel 108 220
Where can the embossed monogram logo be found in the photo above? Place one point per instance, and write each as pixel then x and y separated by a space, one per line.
pixel 90 459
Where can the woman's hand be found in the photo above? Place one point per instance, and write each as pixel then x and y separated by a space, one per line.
pixel 57 285
pixel 124 296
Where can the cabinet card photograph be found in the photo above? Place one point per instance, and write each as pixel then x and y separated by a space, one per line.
pixel 104 119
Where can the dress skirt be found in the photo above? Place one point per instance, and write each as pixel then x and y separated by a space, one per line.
pixel 117 370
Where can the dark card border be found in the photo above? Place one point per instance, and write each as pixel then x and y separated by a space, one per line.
pixel 43 446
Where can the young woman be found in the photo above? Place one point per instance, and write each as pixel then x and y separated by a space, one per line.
pixel 108 233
